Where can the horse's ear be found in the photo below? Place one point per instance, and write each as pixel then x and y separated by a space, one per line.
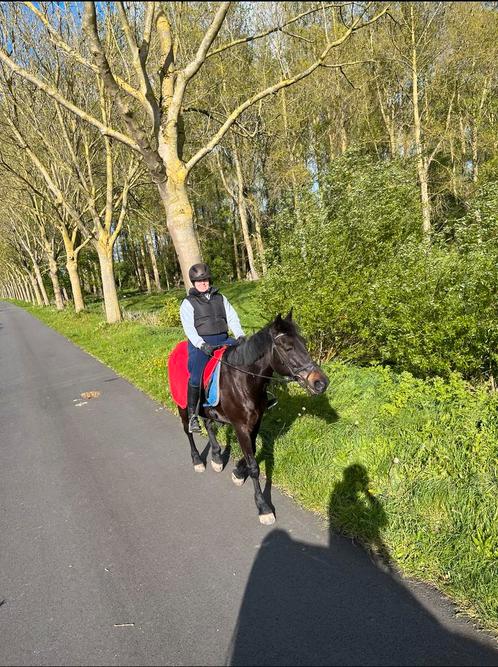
pixel 278 319
pixel 289 314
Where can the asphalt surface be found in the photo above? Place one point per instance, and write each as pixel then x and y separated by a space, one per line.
pixel 114 552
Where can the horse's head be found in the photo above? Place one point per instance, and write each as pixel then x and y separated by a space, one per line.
pixel 291 358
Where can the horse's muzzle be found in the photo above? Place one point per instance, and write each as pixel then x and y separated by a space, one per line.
pixel 317 382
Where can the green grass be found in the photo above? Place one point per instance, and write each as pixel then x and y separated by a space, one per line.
pixel 408 467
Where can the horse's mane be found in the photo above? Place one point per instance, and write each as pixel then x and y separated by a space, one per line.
pixel 250 350
pixel 254 348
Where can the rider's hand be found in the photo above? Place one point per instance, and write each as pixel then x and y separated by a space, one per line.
pixel 208 349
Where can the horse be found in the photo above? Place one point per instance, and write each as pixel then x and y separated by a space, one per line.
pixel 246 370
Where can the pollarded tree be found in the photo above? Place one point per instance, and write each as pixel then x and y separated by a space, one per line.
pixel 88 186
pixel 148 55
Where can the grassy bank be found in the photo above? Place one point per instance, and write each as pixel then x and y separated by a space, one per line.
pixel 410 467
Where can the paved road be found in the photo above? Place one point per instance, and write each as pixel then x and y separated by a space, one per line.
pixel 114 552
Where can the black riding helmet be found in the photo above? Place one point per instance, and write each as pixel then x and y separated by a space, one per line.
pixel 199 272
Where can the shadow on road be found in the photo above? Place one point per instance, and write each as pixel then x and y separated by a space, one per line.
pixel 311 605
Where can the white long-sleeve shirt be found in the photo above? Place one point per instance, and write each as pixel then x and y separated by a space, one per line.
pixel 187 318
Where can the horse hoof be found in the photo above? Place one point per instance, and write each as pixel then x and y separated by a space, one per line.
pixel 238 481
pixel 217 467
pixel 267 519
pixel 199 467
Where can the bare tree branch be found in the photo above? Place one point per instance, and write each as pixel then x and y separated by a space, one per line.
pixel 265 33
pixel 64 46
pixel 356 25
pixel 57 95
pixel 142 144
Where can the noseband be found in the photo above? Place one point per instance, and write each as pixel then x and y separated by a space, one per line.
pixel 309 367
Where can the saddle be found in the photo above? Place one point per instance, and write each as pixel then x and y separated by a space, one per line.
pixel 178 375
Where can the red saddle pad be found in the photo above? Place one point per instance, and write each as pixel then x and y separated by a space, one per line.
pixel 178 374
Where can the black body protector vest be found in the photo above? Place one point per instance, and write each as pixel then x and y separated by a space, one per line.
pixel 209 314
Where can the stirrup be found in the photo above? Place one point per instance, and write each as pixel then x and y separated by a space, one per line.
pixel 193 425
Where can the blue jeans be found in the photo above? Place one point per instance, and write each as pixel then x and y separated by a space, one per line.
pixel 197 360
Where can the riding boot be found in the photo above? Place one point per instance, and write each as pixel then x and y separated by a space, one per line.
pixel 193 395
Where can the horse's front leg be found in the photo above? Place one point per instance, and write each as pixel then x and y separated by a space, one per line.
pixel 240 472
pixel 216 460
pixel 196 457
pixel 246 440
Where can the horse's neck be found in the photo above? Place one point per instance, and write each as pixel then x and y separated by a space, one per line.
pixel 262 366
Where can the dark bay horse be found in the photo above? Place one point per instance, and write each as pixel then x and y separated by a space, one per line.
pixel 244 376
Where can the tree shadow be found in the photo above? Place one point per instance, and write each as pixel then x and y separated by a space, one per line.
pixel 307 604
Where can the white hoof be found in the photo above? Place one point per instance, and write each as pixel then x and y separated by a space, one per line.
pixel 217 467
pixel 199 467
pixel 237 480
pixel 267 519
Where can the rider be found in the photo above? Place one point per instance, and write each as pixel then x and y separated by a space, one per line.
pixel 206 317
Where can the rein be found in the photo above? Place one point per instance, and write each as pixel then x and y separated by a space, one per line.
pixel 257 375
pixel 285 380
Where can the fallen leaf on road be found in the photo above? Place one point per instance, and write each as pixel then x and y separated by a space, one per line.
pixel 90 394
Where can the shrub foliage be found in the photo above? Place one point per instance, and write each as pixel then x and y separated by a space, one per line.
pixel 366 287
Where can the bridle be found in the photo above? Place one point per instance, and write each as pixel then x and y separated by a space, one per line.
pixel 294 372
pixel 293 376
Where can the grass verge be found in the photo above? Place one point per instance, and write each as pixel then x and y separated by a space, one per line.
pixel 407 467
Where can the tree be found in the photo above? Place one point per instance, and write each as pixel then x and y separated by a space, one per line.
pixel 150 105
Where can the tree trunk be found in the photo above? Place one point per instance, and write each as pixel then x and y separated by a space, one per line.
pixel 343 136
pixel 140 274
pixel 52 264
pixel 145 268
pixel 72 269
pixel 39 279
pixel 236 253
pixel 475 155
pixel 290 152
pixel 423 176
pixel 28 289
pixel 36 289
pixel 111 303
pixel 153 261
pixel 388 119
pixel 22 287
pixel 95 282
pixel 176 203
pixel 422 162
pixel 17 294
pixel 244 221
pixel 259 240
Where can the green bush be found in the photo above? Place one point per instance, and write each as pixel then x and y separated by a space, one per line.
pixel 169 315
pixel 366 286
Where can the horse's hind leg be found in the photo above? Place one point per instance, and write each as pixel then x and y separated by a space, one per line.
pixel 196 458
pixel 216 460
pixel 240 473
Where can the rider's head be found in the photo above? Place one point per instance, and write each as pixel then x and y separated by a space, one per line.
pixel 200 276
